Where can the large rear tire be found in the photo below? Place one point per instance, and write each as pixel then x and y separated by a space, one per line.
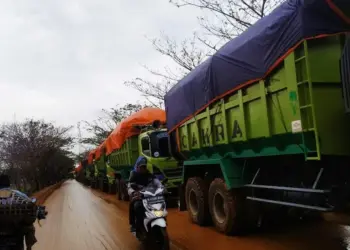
pixel 228 208
pixel 123 191
pixel 111 188
pixel 117 184
pixel 105 187
pixel 197 200
pixel 93 184
pixel 100 184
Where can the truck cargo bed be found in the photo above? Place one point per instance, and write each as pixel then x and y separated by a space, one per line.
pixel 298 109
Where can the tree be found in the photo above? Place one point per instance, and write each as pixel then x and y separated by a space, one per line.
pixel 83 155
pixel 100 128
pixel 231 17
pixel 186 55
pixel 35 153
pixel 221 21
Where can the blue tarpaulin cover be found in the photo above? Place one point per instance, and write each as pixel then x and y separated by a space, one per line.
pixel 253 54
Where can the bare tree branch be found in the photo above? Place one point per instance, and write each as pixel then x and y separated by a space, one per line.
pixel 104 125
pixel 35 153
pixel 229 18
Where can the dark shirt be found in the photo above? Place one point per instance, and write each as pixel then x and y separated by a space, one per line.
pixel 141 178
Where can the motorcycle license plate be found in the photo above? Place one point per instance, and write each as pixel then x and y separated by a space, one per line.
pixel 155 199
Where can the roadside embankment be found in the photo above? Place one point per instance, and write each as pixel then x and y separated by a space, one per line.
pixel 43 194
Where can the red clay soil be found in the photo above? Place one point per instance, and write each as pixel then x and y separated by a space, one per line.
pixel 302 236
pixel 79 219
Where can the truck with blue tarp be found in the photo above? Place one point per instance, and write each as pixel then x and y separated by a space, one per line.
pixel 263 120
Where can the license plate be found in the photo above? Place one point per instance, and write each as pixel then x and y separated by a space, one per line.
pixel 155 199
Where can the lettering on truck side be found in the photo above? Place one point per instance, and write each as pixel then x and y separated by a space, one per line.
pixel 205 135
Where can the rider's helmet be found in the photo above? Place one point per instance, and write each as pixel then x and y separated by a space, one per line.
pixel 141 163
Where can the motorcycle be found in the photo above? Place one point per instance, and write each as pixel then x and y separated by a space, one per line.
pixel 153 235
pixel 17 216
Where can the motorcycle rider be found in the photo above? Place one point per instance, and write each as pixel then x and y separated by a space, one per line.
pixel 139 176
pixel 28 230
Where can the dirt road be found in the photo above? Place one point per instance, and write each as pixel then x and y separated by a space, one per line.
pixel 79 219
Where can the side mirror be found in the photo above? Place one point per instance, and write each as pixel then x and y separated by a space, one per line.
pixel 33 200
pixel 164 181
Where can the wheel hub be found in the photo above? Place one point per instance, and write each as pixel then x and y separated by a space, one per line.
pixel 193 202
pixel 219 208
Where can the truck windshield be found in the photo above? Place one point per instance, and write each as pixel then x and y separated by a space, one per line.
pixel 159 144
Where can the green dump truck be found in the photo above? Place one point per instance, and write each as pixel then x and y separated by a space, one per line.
pixel 100 173
pixel 89 172
pixel 151 143
pixel 279 138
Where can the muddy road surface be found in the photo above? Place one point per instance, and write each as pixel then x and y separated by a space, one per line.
pixel 80 218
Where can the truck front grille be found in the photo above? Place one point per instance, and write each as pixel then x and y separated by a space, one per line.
pixel 173 172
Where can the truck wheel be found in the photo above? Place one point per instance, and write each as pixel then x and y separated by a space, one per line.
pixel 197 200
pixel 123 191
pixel 111 188
pixel 226 208
pixel 105 187
pixel 100 185
pixel 117 184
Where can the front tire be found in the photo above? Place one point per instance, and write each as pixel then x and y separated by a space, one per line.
pixel 160 239
pixel 197 200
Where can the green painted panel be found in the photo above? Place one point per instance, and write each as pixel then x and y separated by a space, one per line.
pixel 297 109
pixel 332 124
pixel 126 155
pixel 101 164
pixel 324 57
pixel 232 173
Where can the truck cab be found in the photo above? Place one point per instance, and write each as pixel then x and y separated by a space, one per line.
pixel 153 144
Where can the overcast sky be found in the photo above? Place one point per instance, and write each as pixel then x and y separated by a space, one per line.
pixel 65 60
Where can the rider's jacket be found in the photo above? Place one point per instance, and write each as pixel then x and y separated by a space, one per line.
pixel 143 179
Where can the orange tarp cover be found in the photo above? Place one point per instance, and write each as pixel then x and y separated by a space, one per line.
pixel 126 129
pixel 90 157
pixel 79 168
pixel 99 150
